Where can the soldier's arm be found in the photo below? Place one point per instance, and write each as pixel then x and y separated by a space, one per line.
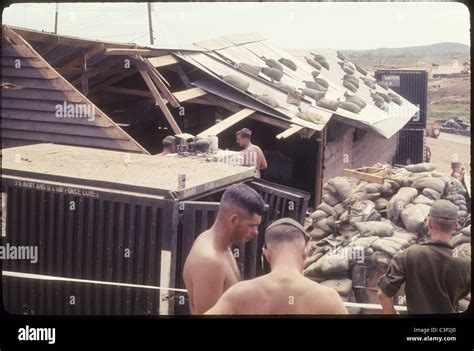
pixel 390 283
pixel 208 284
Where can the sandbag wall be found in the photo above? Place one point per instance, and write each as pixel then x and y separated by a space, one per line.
pixel 360 226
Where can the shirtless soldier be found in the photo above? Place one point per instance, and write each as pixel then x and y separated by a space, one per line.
pixel 210 268
pixel 284 290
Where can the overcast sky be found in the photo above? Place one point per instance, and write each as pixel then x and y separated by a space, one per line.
pixel 289 25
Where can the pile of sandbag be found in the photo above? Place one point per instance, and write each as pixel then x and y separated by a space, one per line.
pixel 359 226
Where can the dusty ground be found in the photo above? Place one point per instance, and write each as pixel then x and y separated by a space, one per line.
pixel 446 147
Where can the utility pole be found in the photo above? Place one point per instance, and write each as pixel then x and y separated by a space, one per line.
pixel 56 20
pixel 150 25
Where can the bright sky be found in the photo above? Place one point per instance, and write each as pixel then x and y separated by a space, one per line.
pixel 290 25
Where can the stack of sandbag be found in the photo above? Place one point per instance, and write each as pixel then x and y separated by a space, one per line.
pixel 359 226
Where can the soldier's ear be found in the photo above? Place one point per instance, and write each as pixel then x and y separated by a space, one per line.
pixel 234 219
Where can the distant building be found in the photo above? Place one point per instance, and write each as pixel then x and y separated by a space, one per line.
pixel 450 71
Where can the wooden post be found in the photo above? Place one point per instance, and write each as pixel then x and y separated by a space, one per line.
pixel 319 168
pixel 159 101
pixel 150 24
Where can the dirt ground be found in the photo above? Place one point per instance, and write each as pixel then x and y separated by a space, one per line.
pixel 448 146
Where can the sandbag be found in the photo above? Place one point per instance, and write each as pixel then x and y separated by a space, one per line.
pixel 355 100
pixel 364 241
pixel 250 69
pixel 381 204
pixel 330 199
pixel 315 73
pixel 313 63
pixel 361 70
pixel 460 239
pixel 342 286
pixel 322 224
pixel 373 188
pixel 405 236
pixel 273 73
pixel 431 194
pixel 339 209
pixel 286 87
pixel 318 215
pixel 342 187
pixel 237 82
pixel 463 250
pixel 413 218
pixel 318 233
pixel 323 64
pixel 431 182
pixel 310 260
pixel 315 86
pixel 373 196
pixel 318 57
pixel 398 202
pixel 314 94
pixel 382 84
pixel 377 99
pixel 386 98
pixel 328 104
pixel 420 167
pixel 349 86
pixel 372 228
pixel 422 199
pixel 273 64
pixel 288 63
pixel 326 208
pixel 382 259
pixel 267 99
pixel 349 106
pixel 403 242
pixel 368 82
pixel 425 209
pixel 310 116
pixel 390 247
pixel 334 263
pixel 322 82
pixel 466 231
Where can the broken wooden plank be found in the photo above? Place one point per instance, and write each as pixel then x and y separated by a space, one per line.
pixel 290 131
pixel 159 83
pixel 369 174
pixel 227 123
pixel 78 61
pixel 162 61
pixel 126 91
pixel 127 72
pixel 128 52
pixel 189 94
pixel 160 101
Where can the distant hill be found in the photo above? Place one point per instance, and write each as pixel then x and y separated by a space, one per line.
pixel 439 49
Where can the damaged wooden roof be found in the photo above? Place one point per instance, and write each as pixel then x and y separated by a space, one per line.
pixel 331 85
pixel 39 105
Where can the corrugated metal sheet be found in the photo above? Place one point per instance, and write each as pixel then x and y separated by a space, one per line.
pixel 31 96
pixel 105 236
pixel 411 146
pixel 413 86
pixel 446 70
pixel 225 58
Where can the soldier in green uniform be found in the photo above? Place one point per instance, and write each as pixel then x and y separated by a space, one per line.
pixel 434 280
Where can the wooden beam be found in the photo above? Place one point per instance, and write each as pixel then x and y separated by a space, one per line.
pixel 318 189
pixel 32 35
pixel 227 123
pixel 87 56
pixel 127 72
pixel 49 46
pixel 125 91
pixel 271 120
pixel 178 69
pixel 164 60
pixel 153 73
pixel 129 52
pixel 189 94
pixel 160 101
pixel 85 80
pixel 290 131
pixel 78 70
